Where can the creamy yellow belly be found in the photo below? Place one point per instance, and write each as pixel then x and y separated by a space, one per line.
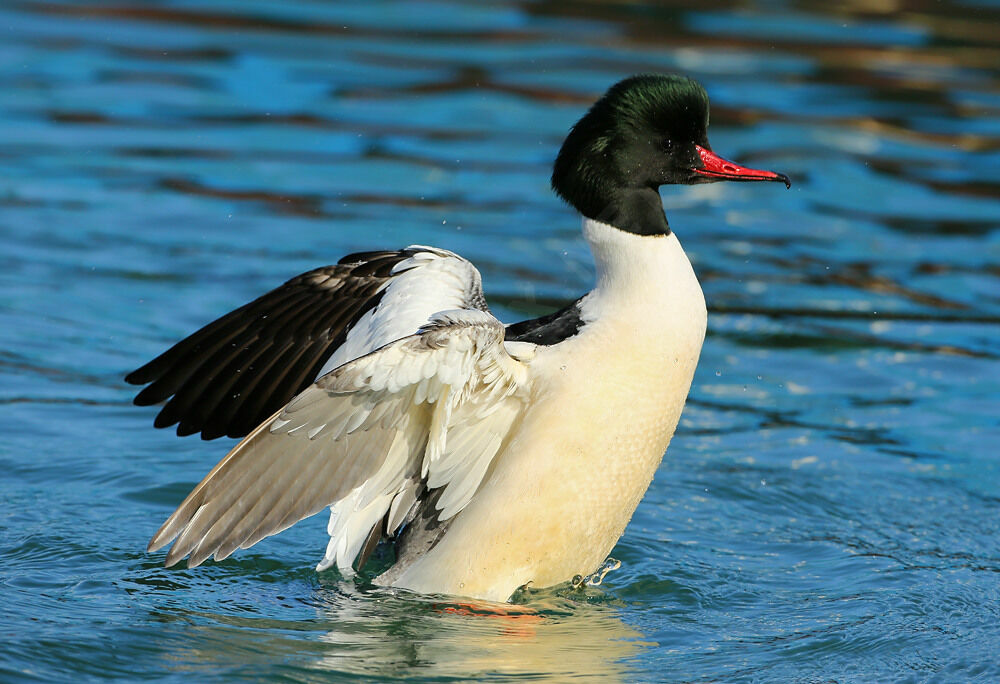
pixel 562 491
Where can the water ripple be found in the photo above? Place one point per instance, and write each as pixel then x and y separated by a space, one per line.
pixel 828 510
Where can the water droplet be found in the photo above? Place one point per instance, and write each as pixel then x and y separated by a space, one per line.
pixel 597 577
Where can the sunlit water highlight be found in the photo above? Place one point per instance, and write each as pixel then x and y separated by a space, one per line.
pixel 830 507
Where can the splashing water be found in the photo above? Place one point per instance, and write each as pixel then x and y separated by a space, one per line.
pixel 595 578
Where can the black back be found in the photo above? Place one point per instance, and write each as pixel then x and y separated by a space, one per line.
pixel 550 329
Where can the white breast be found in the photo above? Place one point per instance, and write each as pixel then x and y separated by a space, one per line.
pixel 604 406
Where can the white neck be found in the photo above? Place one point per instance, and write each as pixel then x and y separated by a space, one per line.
pixel 639 270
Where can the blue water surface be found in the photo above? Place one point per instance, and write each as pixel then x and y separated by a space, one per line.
pixel 830 507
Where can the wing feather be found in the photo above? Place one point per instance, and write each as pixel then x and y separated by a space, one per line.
pixel 441 402
pixel 227 377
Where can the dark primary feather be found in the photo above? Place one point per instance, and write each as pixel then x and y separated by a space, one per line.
pixel 228 377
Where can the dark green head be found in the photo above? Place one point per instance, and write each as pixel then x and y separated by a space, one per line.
pixel 646 131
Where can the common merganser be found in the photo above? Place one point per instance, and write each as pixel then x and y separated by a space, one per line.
pixel 493 456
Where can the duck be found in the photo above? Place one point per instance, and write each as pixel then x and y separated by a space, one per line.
pixel 491 456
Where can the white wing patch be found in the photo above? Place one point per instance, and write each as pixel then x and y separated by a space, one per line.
pixel 471 390
pixel 436 406
pixel 430 281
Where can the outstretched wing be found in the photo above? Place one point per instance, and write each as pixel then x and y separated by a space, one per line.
pixel 232 374
pixel 433 408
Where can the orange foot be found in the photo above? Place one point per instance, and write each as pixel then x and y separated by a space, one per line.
pixel 493 610
pixel 519 622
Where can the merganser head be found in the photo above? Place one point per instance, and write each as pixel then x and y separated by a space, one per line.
pixel 646 131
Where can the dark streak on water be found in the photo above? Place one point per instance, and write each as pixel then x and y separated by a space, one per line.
pixel 830 509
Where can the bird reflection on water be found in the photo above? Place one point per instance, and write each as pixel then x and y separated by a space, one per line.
pixel 551 635
pixel 554 636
